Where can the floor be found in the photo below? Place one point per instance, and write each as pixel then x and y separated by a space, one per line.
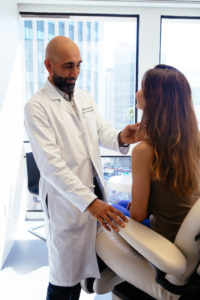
pixel 25 273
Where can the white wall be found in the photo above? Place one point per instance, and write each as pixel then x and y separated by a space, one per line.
pixel 11 125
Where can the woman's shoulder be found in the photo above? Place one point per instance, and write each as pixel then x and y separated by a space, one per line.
pixel 141 160
pixel 143 149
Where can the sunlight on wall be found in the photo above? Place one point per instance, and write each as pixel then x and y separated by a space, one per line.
pixel 11 155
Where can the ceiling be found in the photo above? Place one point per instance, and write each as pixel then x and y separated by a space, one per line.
pixel 142 3
pixel 122 1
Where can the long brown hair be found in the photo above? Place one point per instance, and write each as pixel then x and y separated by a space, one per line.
pixel 171 127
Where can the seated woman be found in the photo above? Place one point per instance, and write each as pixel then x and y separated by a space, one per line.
pixel 165 171
pixel 165 165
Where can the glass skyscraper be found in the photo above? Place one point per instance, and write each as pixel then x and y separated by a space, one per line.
pixel 113 88
pixel 37 33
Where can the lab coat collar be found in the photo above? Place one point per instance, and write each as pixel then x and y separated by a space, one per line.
pixel 52 92
pixel 55 95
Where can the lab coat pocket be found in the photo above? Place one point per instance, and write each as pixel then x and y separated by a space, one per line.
pixel 64 215
pixel 90 119
pixel 91 125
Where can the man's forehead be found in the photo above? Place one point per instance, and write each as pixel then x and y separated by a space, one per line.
pixel 67 57
pixel 72 62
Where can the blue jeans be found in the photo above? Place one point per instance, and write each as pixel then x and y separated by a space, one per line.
pixel 55 292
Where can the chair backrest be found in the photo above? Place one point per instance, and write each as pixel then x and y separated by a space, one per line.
pixel 188 239
pixel 32 173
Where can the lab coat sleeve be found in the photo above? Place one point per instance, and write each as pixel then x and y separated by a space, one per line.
pixel 107 134
pixel 49 160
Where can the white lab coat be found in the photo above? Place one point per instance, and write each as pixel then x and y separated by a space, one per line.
pixel 65 147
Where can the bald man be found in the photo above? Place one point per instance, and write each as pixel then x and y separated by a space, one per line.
pixel 65 130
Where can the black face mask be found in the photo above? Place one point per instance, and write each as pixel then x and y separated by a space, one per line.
pixel 63 85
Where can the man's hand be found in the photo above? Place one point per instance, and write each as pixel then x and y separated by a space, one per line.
pixel 129 134
pixel 107 215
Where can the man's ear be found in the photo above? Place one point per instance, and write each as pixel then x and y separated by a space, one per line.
pixel 48 65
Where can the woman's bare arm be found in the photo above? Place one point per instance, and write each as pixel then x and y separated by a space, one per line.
pixel 141 161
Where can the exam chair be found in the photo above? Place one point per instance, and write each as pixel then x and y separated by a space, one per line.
pixel 33 174
pixel 149 265
pixel 33 177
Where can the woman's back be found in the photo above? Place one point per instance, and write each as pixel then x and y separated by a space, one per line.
pixel 167 210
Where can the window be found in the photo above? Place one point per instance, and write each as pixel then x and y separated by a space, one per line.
pixel 80 31
pixel 61 28
pixel 51 30
pixel 109 50
pixel 71 30
pixel 28 44
pixel 40 30
pixel 88 24
pixel 96 31
pixel 180 47
pixel 28 32
pixel 113 166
